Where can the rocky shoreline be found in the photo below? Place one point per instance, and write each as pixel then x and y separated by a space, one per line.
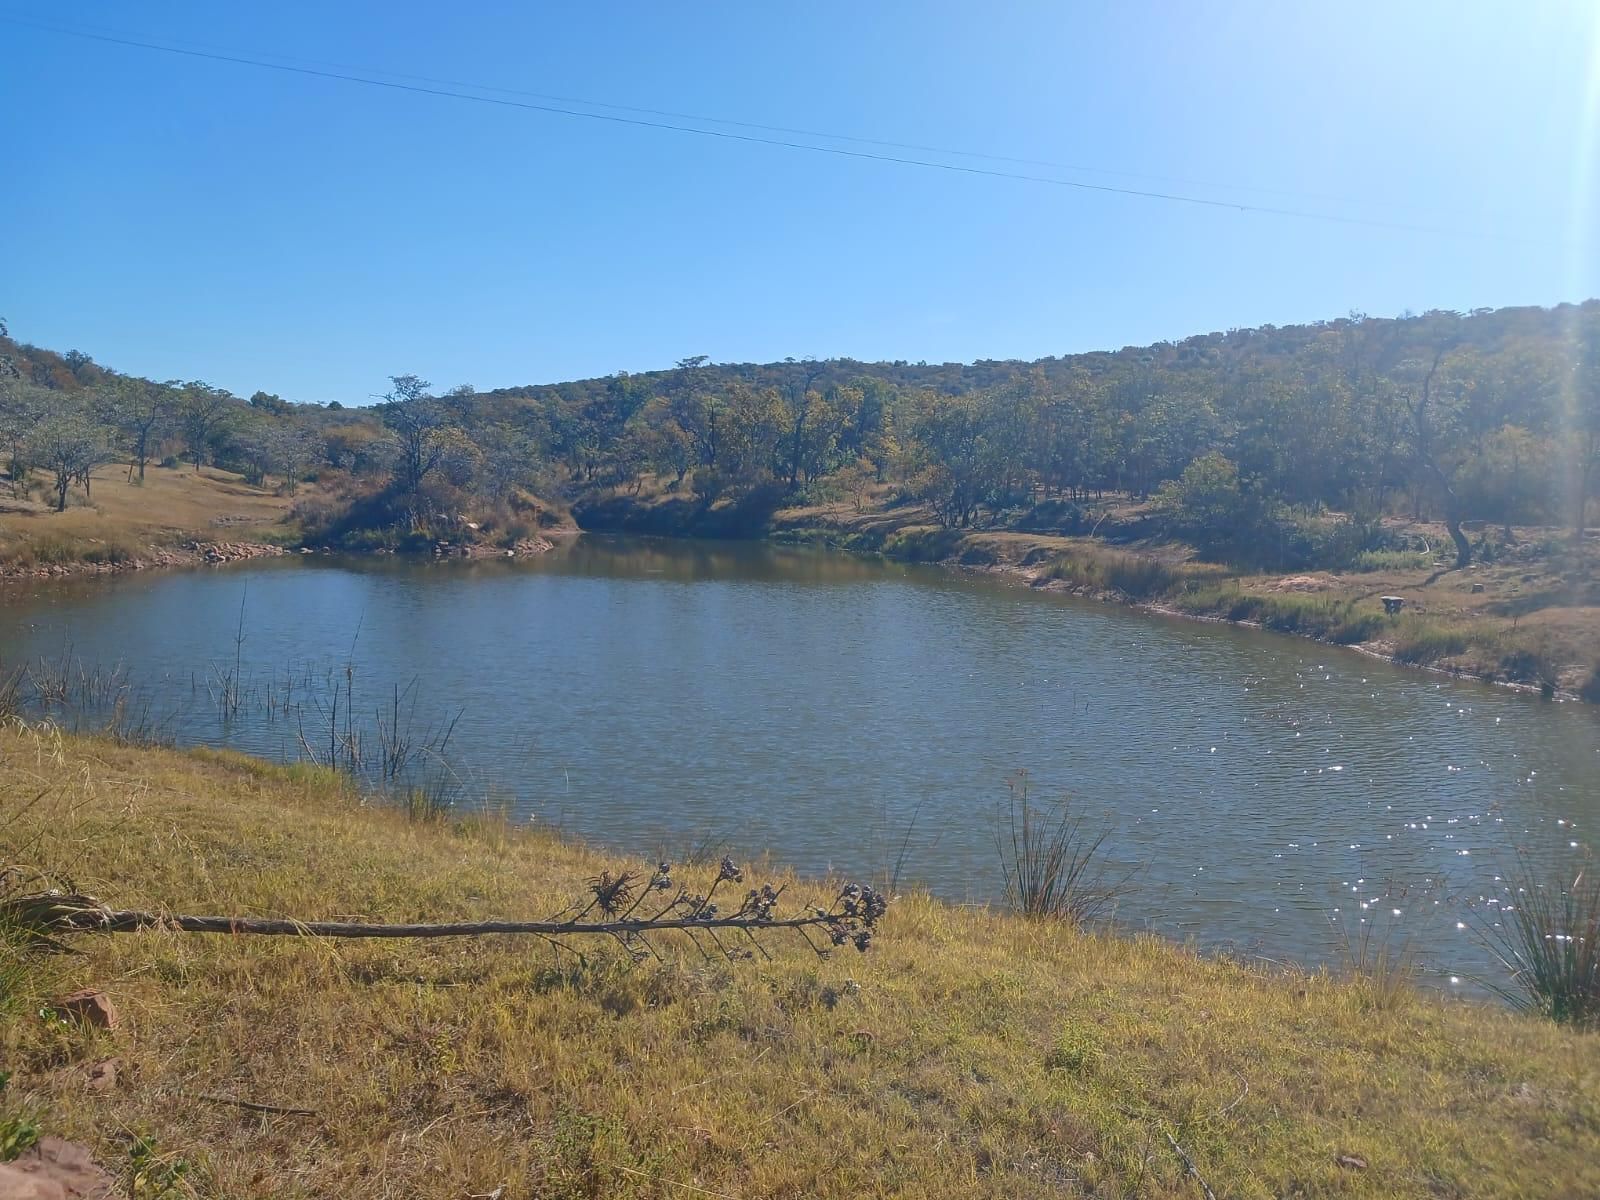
pixel 188 554
pixel 213 554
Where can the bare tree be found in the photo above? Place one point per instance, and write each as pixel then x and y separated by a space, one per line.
pixel 1428 457
pixel 69 445
pixel 293 448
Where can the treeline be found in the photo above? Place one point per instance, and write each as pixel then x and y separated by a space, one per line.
pixel 1247 441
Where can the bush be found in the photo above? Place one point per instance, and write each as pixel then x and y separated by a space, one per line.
pixel 923 545
pixel 1052 862
pixel 1139 578
pixel 1391 560
pixel 1549 939
pixel 1420 642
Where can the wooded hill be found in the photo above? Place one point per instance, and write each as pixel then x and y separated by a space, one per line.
pixel 1245 438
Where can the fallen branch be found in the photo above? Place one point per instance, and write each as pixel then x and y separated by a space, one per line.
pixel 132 921
pixel 616 900
pixel 254 1106
pixel 1189 1163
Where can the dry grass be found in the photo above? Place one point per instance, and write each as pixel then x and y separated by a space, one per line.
pixel 128 520
pixel 968 1054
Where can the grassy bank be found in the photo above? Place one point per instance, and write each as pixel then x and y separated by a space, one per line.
pixel 1531 620
pixel 969 1053
pixel 170 519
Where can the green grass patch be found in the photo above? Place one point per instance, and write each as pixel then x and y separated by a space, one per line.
pixel 1328 619
pixel 1391 560
pixel 1420 641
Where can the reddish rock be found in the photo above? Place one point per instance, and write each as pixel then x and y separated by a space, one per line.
pixel 103 1075
pixel 91 1007
pixel 55 1170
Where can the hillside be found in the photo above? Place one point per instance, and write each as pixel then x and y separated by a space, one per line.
pixel 967 1053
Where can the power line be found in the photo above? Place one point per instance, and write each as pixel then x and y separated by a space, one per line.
pixel 857 139
pixel 447 92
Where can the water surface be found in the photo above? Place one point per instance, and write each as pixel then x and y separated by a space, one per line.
pixel 660 695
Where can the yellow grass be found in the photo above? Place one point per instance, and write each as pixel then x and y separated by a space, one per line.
pixel 1547 607
pixel 969 1053
pixel 171 506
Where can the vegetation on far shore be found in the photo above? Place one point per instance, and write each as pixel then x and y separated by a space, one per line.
pixel 1282 476
pixel 968 1053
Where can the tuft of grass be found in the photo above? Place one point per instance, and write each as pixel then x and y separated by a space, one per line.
pixel 972 1052
pixel 1549 940
pixel 1420 641
pixel 1342 621
pixel 1135 576
pixel 1052 861
pixel 1391 560
pixel 19 1129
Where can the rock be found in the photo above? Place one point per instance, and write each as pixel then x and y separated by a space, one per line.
pixel 91 1007
pixel 1476 588
pixel 18 1184
pixel 55 1169
pixel 103 1075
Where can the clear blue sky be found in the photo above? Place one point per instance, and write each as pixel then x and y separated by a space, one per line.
pixel 179 217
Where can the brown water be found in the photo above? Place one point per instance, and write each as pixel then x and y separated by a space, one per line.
pixel 658 695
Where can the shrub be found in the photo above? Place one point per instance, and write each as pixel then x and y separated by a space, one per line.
pixel 1139 578
pixel 923 545
pixel 1391 560
pixel 1052 862
pixel 1420 642
pixel 1549 940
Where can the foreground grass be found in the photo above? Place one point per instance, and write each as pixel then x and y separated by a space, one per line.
pixel 967 1054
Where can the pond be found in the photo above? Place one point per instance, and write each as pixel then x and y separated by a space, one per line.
pixel 862 717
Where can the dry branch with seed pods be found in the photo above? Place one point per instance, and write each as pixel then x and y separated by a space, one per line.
pixel 630 907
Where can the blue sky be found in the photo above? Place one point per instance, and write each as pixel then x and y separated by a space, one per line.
pixel 181 217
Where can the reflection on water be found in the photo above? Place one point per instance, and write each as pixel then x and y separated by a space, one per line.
pixel 662 694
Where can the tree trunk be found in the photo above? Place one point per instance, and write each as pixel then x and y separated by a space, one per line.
pixel 1463 546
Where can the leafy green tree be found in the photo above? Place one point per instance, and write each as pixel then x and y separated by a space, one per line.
pixel 203 413
pixel 142 413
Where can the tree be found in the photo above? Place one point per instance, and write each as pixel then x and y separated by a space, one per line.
pixel 69 445
pixel 293 448
pixel 142 412
pixel 203 412
pixel 1582 428
pixel 1429 453
pixel 22 407
pixel 419 422
pixel 799 399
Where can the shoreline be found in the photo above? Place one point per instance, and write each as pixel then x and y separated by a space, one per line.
pixel 1033 556
pixel 971 1044
pixel 197 553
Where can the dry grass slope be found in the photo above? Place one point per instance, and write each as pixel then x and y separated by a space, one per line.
pixel 127 521
pixel 968 1054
